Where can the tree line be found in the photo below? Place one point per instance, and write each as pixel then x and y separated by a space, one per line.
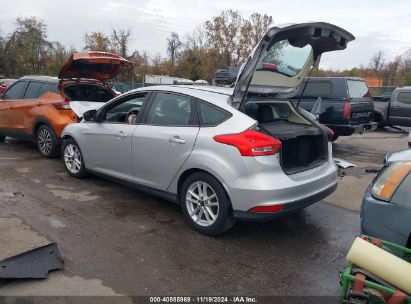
pixel 225 40
pixel 394 73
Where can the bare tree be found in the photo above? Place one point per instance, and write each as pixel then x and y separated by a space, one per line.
pixel 121 41
pixel 173 45
pixel 377 62
pixel 197 39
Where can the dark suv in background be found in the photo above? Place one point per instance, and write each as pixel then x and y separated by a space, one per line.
pixel 225 76
pixel 346 105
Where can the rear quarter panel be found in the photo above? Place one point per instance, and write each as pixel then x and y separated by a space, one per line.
pixel 47 113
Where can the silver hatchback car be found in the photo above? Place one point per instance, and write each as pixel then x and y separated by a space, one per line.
pixel 222 154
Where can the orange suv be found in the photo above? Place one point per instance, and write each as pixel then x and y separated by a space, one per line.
pixel 38 108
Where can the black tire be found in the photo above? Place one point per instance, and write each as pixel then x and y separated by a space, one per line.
pixel 2 139
pixel 224 219
pixel 82 172
pixel 51 149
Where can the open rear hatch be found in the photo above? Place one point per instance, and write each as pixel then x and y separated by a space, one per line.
pixel 83 79
pixel 276 67
pixel 93 65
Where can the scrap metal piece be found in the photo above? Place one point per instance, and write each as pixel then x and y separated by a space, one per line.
pixel 32 264
pixel 343 163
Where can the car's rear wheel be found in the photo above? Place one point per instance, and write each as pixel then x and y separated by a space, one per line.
pixel 47 141
pixel 205 204
pixel 73 159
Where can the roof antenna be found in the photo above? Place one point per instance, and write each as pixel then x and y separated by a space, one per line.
pixel 315 65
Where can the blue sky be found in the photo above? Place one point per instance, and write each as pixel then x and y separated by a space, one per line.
pixel 377 25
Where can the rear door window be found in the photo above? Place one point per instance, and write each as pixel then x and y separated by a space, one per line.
pixel 33 90
pixel 170 109
pixel 16 91
pixel 404 97
pixel 357 89
pixel 211 115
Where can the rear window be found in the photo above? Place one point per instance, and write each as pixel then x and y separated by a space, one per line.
pixel 404 97
pixel 357 89
pixel 210 115
pixel 317 89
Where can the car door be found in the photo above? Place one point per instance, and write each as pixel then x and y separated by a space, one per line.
pixel 165 139
pixel 21 108
pixel 108 142
pixel 11 99
pixel 400 109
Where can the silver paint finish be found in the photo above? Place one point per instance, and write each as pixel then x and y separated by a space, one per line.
pixel 149 155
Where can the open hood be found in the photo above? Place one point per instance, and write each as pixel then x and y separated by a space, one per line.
pixel 93 65
pixel 284 56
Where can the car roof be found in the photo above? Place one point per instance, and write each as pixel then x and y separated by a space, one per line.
pixel 215 95
pixel 336 78
pixel 193 88
pixel 40 78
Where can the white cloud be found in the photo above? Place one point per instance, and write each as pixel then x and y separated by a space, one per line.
pixel 377 25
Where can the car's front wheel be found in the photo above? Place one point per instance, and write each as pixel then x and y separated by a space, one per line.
pixel 47 141
pixel 205 204
pixel 2 139
pixel 73 159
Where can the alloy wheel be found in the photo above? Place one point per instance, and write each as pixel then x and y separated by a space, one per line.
pixel 72 158
pixel 45 141
pixel 202 203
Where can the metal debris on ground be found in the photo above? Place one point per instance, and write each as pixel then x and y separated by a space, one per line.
pixel 32 264
pixel 343 163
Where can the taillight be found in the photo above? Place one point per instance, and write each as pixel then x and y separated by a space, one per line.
pixel 347 111
pixel 62 105
pixel 251 143
pixel 267 209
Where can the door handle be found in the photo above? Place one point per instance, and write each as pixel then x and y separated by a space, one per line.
pixel 39 104
pixel 177 140
pixel 121 134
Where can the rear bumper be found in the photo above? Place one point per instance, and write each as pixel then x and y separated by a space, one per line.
pixel 347 130
pixel 274 187
pixel 288 207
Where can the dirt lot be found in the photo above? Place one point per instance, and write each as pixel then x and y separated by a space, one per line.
pixel 116 240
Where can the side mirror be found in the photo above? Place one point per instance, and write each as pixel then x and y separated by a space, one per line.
pixel 90 115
